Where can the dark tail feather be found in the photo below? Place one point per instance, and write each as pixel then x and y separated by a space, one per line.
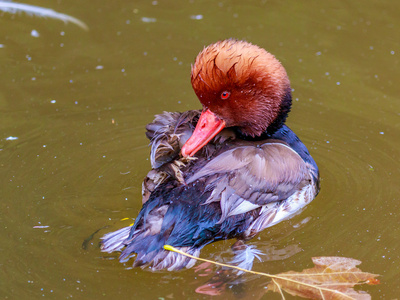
pixel 147 241
pixel 170 218
pixel 158 259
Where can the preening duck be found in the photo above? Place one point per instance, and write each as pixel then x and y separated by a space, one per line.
pixel 227 171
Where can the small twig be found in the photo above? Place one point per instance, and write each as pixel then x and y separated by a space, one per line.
pixel 279 288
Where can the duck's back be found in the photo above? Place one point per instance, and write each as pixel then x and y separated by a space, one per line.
pixel 233 189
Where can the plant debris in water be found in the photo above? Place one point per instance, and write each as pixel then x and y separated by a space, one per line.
pixel 330 278
pixel 32 10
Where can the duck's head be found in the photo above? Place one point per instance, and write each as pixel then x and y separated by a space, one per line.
pixel 239 85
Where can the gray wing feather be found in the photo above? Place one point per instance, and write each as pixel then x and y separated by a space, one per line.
pixel 248 177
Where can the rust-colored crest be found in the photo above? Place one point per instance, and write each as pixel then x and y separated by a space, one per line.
pixel 255 79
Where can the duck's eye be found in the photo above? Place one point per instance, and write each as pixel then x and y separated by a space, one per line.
pixel 225 95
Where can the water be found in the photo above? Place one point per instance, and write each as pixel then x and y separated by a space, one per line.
pixel 74 104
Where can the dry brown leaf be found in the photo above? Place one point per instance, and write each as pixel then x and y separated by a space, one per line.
pixel 330 278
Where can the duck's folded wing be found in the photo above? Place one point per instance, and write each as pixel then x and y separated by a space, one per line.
pixel 167 134
pixel 248 177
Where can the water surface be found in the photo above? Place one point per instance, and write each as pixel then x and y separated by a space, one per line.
pixel 73 153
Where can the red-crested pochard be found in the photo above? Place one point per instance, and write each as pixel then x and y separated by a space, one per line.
pixel 228 171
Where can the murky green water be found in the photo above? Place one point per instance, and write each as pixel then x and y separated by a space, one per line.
pixel 73 106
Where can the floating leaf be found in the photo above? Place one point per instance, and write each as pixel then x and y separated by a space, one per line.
pixel 330 278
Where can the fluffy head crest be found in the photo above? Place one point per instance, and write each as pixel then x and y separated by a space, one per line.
pixel 256 82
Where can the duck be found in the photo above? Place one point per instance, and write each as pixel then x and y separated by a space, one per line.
pixel 227 171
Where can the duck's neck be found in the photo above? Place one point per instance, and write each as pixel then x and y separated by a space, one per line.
pixel 275 125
